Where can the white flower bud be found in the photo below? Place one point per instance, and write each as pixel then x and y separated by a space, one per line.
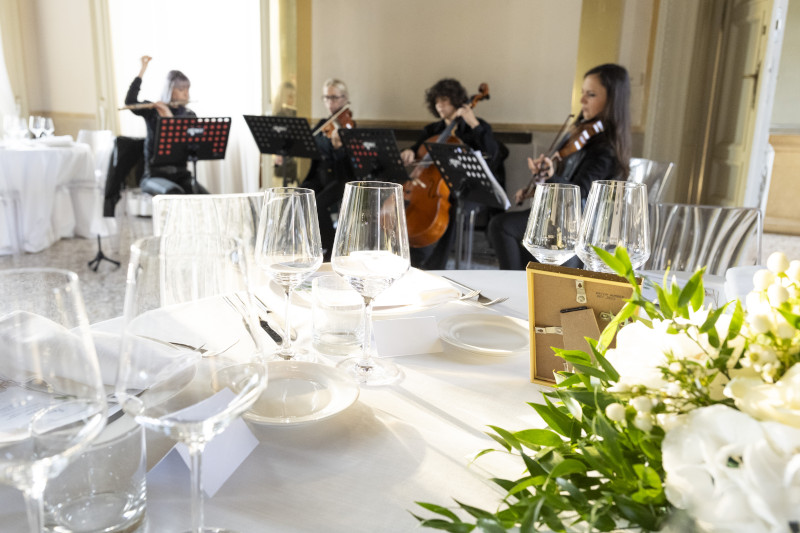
pixel 668 421
pixel 619 387
pixel 794 270
pixel 760 322
pixel 675 367
pixel 784 330
pixel 777 262
pixel 643 421
pixel 674 389
pixel 755 302
pixel 762 279
pixel 616 412
pixel 642 404
pixel 777 294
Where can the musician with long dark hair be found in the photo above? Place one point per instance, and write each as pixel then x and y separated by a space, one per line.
pixel 167 179
pixel 605 95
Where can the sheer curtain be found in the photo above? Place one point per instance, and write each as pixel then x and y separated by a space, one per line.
pixel 7 104
pixel 219 49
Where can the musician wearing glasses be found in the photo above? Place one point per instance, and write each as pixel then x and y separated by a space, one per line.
pixel 169 179
pixel 327 176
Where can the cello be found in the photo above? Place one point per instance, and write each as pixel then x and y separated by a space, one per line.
pixel 427 196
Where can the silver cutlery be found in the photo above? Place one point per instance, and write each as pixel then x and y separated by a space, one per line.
pixel 483 301
pixel 278 329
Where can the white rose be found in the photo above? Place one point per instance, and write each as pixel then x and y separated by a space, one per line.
pixel 778 402
pixel 637 357
pixel 777 262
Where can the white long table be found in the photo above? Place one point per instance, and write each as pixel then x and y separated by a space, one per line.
pixel 44 178
pixel 363 469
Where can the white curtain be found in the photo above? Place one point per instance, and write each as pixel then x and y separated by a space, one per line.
pixel 219 49
pixel 7 105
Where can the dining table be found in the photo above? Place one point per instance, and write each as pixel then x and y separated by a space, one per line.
pixel 52 184
pixel 365 466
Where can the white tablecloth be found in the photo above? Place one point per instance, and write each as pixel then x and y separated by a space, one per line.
pixel 363 469
pixel 57 191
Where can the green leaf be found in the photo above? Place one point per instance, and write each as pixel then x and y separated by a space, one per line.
pixel 444 526
pixel 507 436
pixel 538 437
pixel 558 421
pixel 613 263
pixel 490 525
pixel 638 514
pixel 611 372
pixel 568 467
pixel 438 509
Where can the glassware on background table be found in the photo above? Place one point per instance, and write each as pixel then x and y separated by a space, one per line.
pixel 289 249
pixel 36 125
pixel 371 252
pixel 615 215
pixel 49 127
pixel 50 383
pixel 552 231
pixel 175 301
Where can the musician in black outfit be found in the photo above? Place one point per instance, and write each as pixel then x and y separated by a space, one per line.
pixel 327 176
pixel 167 179
pixel 605 95
pixel 448 101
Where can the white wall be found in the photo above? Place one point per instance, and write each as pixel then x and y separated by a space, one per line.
pixel 389 52
pixel 786 109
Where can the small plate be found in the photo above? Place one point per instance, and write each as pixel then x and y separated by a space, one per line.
pixel 299 393
pixel 485 334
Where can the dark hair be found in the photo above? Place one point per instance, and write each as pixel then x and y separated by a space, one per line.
pixel 616 115
pixel 447 88
pixel 175 78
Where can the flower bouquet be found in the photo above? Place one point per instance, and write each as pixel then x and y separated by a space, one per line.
pixel 694 414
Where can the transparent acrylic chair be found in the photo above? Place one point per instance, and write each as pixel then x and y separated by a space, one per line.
pixel 685 237
pixel 654 174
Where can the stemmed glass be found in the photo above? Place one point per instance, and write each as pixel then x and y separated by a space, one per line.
pixel 371 252
pixel 36 125
pixel 189 364
pixel 288 248
pixel 552 231
pixel 615 215
pixel 49 127
pixel 51 390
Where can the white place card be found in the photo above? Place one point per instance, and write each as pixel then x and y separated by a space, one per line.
pixel 224 454
pixel 407 336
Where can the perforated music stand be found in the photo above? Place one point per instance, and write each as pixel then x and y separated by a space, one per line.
pixel 373 154
pixel 469 178
pixel 182 139
pixel 283 136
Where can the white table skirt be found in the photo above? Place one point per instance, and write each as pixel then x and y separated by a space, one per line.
pixel 57 192
pixel 363 469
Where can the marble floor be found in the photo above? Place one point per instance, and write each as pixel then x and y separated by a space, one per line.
pixel 104 290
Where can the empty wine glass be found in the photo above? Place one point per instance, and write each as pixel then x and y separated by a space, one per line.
pixel 371 252
pixel 615 215
pixel 552 231
pixel 288 248
pixel 52 394
pixel 36 125
pixel 175 300
pixel 49 127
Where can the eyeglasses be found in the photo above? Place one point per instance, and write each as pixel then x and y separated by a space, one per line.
pixel 329 97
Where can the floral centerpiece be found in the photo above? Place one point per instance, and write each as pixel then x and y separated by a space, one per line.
pixel 694 413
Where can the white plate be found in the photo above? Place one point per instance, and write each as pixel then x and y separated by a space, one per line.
pixel 298 392
pixel 485 334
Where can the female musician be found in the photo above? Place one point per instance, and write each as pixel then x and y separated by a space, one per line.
pixel 605 95
pixel 447 100
pixel 172 179
pixel 327 176
pixel 284 106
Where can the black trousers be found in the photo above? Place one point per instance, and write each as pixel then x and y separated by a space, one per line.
pixel 505 233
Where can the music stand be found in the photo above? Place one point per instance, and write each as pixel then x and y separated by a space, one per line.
pixel 283 136
pixel 373 154
pixel 182 139
pixel 469 178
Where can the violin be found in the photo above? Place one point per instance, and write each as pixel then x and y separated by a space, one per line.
pixel 343 118
pixel 427 196
pixel 576 141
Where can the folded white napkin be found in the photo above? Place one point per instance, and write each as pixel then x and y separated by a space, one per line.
pixel 417 288
pixel 56 141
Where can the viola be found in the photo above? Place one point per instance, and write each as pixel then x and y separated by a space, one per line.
pixel 427 196
pixel 343 118
pixel 576 141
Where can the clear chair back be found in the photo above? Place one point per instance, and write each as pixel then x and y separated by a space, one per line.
pixel 654 174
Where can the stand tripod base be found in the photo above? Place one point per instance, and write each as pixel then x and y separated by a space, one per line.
pixel 94 264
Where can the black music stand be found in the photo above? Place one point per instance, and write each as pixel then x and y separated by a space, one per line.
pixel 182 139
pixel 373 154
pixel 283 136
pixel 469 178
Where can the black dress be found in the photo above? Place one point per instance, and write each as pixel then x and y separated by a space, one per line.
pixel 596 161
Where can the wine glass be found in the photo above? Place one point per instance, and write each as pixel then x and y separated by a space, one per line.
pixel 288 248
pixel 49 127
pixel 189 364
pixel 36 125
pixel 615 215
pixel 371 252
pixel 552 231
pixel 51 390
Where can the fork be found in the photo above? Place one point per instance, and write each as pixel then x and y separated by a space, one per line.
pixel 483 301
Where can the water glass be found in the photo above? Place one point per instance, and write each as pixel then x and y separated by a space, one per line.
pixel 338 327
pixel 615 215
pixel 552 231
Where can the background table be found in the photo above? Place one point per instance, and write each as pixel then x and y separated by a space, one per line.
pixel 50 182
